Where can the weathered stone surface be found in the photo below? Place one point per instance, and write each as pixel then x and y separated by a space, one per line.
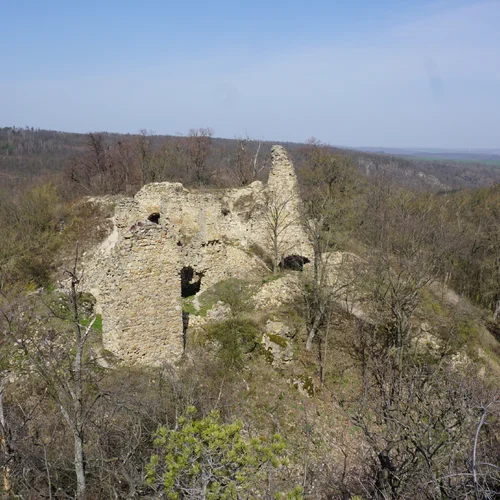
pixel 135 274
pixel 278 292
pixel 219 312
pixel 277 343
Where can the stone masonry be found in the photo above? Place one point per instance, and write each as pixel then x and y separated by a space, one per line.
pixel 136 273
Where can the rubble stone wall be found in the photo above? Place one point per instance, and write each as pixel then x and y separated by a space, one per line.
pixel 135 275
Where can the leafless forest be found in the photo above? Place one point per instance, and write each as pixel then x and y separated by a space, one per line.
pixel 402 405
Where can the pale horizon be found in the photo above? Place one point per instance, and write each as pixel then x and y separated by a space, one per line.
pixel 419 76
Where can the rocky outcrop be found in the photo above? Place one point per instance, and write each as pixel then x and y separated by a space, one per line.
pixel 276 293
pixel 169 242
pixel 277 343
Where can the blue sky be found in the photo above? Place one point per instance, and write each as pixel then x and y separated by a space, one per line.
pixel 355 73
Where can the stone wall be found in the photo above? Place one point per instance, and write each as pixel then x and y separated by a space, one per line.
pixel 135 275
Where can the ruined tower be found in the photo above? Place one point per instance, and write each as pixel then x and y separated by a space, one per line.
pixel 169 242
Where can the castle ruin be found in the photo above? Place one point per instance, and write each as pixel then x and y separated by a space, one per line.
pixel 169 242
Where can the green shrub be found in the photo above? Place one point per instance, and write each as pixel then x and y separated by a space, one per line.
pixel 235 338
pixel 209 459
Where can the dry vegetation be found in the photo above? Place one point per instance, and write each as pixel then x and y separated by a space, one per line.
pixel 400 404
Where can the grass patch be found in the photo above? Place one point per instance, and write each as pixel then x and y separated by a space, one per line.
pixel 268 355
pixel 188 306
pixel 234 292
pixel 271 278
pixel 431 306
pixel 97 326
pixel 305 382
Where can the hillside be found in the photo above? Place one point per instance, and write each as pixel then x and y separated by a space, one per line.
pixel 267 329
pixel 31 152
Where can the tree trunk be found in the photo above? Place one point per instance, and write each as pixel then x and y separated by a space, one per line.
pixel 78 391
pixel 314 328
pixel 79 466
pixel 4 444
pixel 47 471
pixel 275 252
pixel 384 476
pixel 496 314
pixel 402 330
pixel 318 269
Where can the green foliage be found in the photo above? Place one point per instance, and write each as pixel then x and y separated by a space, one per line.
pixel 36 227
pixel 466 331
pixel 208 459
pixel 296 494
pixel 268 355
pixel 431 306
pixel 189 307
pixel 270 278
pixel 97 326
pixel 305 382
pixel 278 340
pixel 457 327
pixel 235 338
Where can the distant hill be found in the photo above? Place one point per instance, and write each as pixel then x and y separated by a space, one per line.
pixel 439 153
pixel 29 152
pixel 430 169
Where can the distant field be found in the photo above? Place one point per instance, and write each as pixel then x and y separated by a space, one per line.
pixel 489 162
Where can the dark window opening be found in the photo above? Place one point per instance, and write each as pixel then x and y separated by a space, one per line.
pixel 188 286
pixel 185 325
pixel 154 218
pixel 179 244
pixel 294 262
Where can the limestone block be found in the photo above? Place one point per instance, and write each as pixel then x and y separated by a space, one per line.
pixel 276 342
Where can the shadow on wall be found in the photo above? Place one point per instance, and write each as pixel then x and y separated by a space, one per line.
pixel 154 217
pixel 294 262
pixel 188 286
pixel 188 289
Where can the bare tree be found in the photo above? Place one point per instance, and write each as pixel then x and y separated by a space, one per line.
pixel 246 164
pixel 123 158
pixel 61 360
pixel 91 171
pixel 199 149
pixel 279 217
pixel 104 168
pixel 329 187
pixel 145 157
pixel 6 447
pixel 406 259
pixel 419 420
